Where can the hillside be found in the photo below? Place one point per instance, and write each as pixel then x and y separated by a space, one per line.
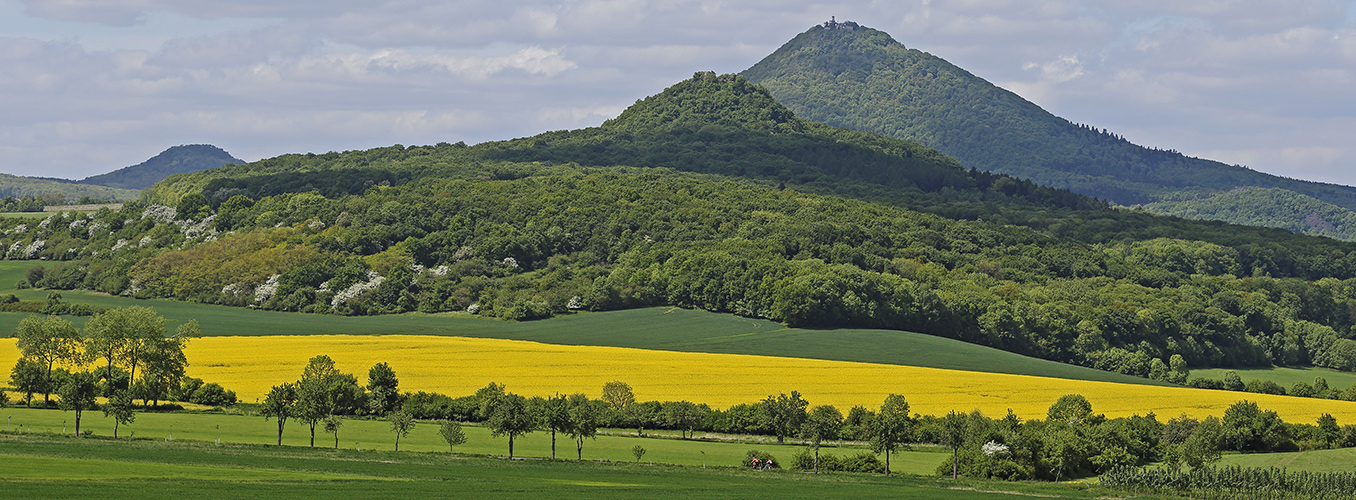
pixel 58 191
pixel 543 226
pixel 1270 207
pixel 856 77
pixel 175 160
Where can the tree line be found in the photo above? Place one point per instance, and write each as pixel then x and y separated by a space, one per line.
pixel 1072 441
pixel 570 239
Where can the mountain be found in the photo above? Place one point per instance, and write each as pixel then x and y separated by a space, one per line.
pixel 1270 207
pixel 175 160
pixel 754 212
pixel 851 76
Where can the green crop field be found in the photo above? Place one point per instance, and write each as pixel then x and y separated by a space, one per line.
pixel 1339 460
pixel 669 329
pixel 62 467
pixel 360 434
pixel 1286 377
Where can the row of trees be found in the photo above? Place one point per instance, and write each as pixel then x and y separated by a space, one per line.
pixel 1071 441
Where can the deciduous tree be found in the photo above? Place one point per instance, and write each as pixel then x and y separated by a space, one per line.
pixel 891 427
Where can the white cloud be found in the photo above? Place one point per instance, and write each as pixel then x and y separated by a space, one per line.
pixel 94 85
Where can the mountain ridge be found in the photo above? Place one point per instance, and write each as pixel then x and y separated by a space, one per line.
pixel 848 75
pixel 175 160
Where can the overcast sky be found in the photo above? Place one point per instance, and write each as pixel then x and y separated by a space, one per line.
pixel 89 86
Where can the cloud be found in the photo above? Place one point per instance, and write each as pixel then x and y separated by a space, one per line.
pixel 96 85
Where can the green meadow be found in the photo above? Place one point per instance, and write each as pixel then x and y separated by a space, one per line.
pixel 670 329
pixel 361 434
pixel 1338 460
pixel 40 466
pixel 1284 376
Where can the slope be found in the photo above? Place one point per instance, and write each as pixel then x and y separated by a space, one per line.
pixel 1271 207
pixel 69 191
pixel 852 76
pixel 175 160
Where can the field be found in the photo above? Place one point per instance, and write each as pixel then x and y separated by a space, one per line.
pixel 47 467
pixel 1339 460
pixel 669 329
pixel 1286 377
pixel 360 434
pixel 458 366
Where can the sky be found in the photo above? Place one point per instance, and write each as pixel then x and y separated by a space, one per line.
pixel 90 86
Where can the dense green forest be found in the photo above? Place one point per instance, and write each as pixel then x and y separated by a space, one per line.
pixel 851 76
pixel 512 230
pixel 1270 207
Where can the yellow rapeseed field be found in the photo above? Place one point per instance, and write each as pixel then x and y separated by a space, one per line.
pixel 458 366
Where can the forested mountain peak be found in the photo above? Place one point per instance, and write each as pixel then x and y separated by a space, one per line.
pixel 708 99
pixel 175 160
pixel 863 79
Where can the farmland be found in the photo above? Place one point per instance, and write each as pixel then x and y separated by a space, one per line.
pixel 670 329
pixel 1285 376
pixel 38 466
pixel 459 366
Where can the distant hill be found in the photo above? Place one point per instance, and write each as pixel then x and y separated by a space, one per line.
pixel 1271 207
pixel 175 160
pixel 856 77
pixel 58 191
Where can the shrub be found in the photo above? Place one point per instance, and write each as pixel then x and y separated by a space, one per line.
pixel 763 457
pixel 212 394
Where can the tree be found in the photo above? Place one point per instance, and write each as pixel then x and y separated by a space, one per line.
pixel 385 388
pixel 29 377
pixel 1249 428
pixel 486 398
pixel 452 433
pixel 280 403
pixel 401 424
pixel 332 425
pixel 783 414
pixel 583 422
pixel 684 415
pixel 165 362
pixel 119 407
pixel 122 335
pixel 1179 372
pixel 77 395
pixel 953 435
pixel 48 340
pixel 555 416
pixel 511 416
pixel 1328 430
pixel 320 390
pixel 638 451
pixel 891 427
pixel 823 422
pixel 1071 408
pixel 618 395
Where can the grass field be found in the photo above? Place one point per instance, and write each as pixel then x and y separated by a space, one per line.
pixel 1286 377
pixel 54 467
pixel 376 435
pixel 669 329
pixel 1339 460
